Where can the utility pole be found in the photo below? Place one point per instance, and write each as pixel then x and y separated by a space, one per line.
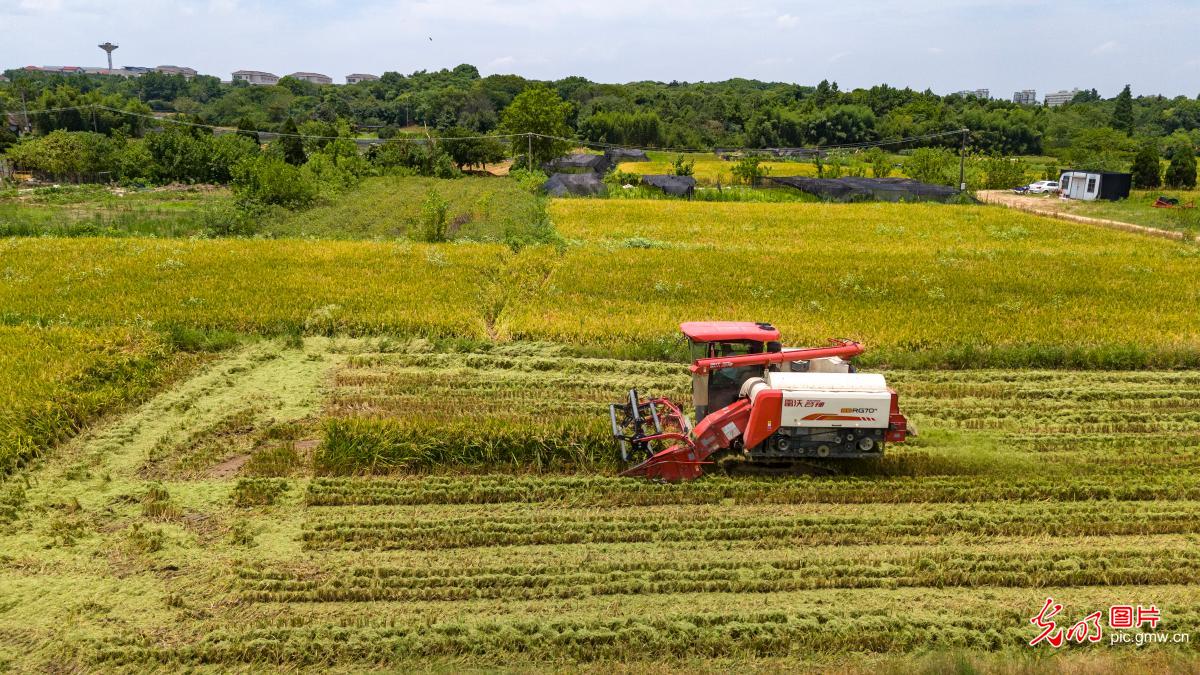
pixel 25 110
pixel 962 163
pixel 529 148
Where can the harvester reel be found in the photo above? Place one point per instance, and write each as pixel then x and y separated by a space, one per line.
pixel 636 423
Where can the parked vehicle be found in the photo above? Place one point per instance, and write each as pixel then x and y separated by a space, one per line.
pixel 1043 187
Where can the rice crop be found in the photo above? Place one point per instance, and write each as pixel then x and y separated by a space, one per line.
pixel 748 574
pixel 528 411
pixel 250 286
pixel 610 491
pixel 56 379
pixel 921 285
pixel 802 527
pixel 711 171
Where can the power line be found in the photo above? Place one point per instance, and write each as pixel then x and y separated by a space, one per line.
pixel 842 146
pixel 528 135
pixel 213 127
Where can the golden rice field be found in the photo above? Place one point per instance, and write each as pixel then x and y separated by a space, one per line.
pixel 58 378
pixel 919 284
pixel 218 527
pixel 399 458
pixel 256 286
pixel 711 171
pixel 916 279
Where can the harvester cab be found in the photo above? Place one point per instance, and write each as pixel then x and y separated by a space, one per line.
pixel 758 402
pixel 723 339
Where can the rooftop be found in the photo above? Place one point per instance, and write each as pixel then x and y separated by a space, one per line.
pixel 710 331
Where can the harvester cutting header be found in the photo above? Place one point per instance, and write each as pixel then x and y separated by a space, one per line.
pixel 760 403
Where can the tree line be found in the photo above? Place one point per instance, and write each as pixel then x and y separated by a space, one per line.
pixel 1089 131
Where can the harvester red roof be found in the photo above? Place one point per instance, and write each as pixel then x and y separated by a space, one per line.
pixel 713 331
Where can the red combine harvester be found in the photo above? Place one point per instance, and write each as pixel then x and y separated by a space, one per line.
pixel 758 403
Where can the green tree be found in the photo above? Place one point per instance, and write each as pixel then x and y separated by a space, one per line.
pixel 932 165
pixel 1147 169
pixel 1100 149
pixel 184 154
pixel 1122 118
pixel 1182 171
pixel 468 148
pixel 291 144
pixel 1001 172
pixel 246 127
pixel 71 155
pixel 538 110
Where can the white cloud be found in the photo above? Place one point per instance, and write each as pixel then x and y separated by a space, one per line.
pixel 936 51
pixel 839 56
pixel 787 21
pixel 1106 47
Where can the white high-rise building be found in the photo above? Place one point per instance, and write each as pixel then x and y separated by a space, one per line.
pixel 1057 98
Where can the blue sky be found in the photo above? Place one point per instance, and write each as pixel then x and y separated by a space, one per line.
pixel 945 45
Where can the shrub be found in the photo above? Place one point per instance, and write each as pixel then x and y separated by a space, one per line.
pixel 267 179
pixel 683 167
pixel 433 217
pixel 224 219
pixel 1002 172
pixel 415 154
pixel 70 155
pixel 881 164
pixel 932 165
pixel 749 170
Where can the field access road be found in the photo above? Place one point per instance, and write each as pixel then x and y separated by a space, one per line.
pixel 1055 208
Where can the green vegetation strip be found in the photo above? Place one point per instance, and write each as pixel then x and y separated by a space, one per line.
pixel 798 527
pixel 610 491
pixel 795 572
pixel 629 638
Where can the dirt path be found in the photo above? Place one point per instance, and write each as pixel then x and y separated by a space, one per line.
pixel 1054 208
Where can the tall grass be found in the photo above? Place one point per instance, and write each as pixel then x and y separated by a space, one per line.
pixel 476 209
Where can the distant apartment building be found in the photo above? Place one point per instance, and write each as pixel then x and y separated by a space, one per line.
pixel 355 78
pixel 127 71
pixel 187 73
pixel 1025 96
pixel 977 93
pixel 315 78
pixel 255 77
pixel 1057 98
